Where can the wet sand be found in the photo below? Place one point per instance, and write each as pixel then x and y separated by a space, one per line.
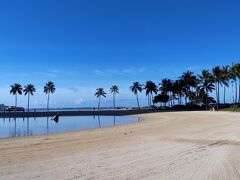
pixel 169 145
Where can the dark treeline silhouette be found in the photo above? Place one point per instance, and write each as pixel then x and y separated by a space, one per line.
pixel 193 89
pixel 189 90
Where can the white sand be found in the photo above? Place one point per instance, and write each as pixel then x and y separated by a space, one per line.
pixel 180 145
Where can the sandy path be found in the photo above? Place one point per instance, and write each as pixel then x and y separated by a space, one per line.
pixel 179 145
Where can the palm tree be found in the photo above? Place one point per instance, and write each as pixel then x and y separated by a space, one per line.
pixel 100 92
pixel 238 76
pixel 49 88
pixel 206 84
pixel 235 75
pixel 178 89
pixel 15 90
pixel 190 83
pixel 29 90
pixel 166 87
pixel 200 96
pixel 135 88
pixel 114 90
pixel 225 79
pixel 151 88
pixel 217 78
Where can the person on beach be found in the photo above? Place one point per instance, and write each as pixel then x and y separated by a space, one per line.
pixel 211 107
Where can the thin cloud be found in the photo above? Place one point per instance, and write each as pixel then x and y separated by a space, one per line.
pixel 74 89
pixel 122 72
pixel 51 73
pixel 78 101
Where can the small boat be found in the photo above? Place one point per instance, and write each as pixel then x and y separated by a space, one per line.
pixel 55 118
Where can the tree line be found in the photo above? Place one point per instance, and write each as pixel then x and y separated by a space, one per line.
pixel 189 89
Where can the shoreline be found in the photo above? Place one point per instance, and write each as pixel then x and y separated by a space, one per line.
pixel 80 113
pixel 109 112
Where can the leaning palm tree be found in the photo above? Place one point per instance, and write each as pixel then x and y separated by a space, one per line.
pixel 135 88
pixel 100 93
pixel 29 90
pixel 151 88
pixel 15 90
pixel 49 88
pixel 114 90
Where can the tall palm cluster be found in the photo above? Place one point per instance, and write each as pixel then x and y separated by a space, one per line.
pixel 29 90
pixel 191 89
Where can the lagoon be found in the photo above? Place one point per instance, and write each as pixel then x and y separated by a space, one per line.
pixel 14 127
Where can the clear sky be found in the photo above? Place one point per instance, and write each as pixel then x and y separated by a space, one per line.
pixel 85 44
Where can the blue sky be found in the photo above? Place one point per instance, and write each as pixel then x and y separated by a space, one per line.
pixel 85 44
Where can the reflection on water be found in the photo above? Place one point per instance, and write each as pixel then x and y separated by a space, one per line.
pixel 12 127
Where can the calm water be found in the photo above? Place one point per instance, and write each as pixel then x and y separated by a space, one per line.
pixel 11 127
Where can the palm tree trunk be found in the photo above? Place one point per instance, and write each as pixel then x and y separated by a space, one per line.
pixel 224 95
pixel 28 125
pixel 15 127
pixel 173 99
pixel 151 99
pixel 178 100
pixel 232 95
pixel 238 90
pixel 148 99
pixel 170 102
pixel 206 99
pixel 99 102
pixel 48 103
pixel 235 92
pixel 216 87
pixel 16 100
pixel 218 96
pixel 28 101
pixel 113 101
pixel 138 102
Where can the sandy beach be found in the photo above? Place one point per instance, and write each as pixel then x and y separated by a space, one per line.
pixel 169 145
